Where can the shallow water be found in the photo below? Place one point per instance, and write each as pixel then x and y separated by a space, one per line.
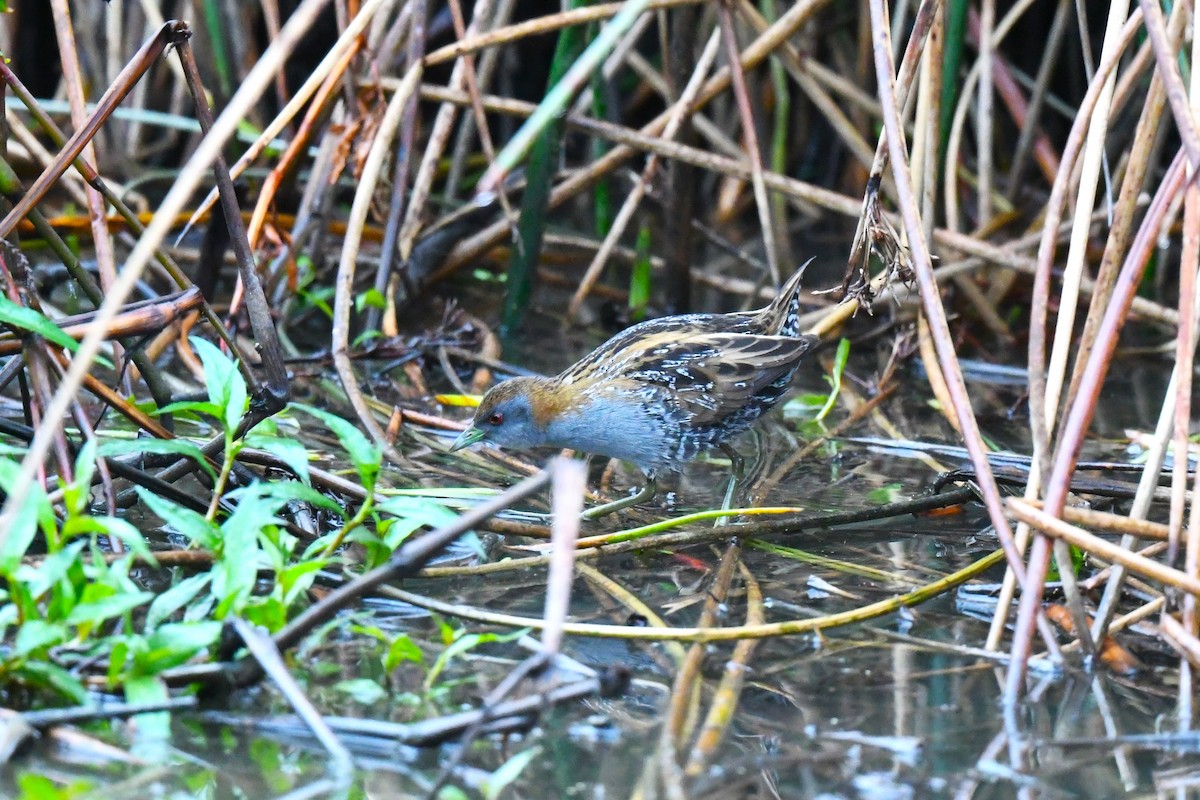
pixel 897 707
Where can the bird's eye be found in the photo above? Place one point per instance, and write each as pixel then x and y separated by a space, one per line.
pixel 496 418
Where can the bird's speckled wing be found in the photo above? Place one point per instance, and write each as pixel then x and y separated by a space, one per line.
pixel 611 358
pixel 710 376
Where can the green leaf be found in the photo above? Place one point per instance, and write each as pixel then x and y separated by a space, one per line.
pixel 289 451
pixel 297 578
pixel 835 379
pixel 639 281
pixel 77 494
pixel 372 298
pixel 36 635
pixel 465 643
pixel 155 726
pixel 114 528
pixel 33 512
pixel 238 553
pixel 35 786
pixel 362 690
pixel 889 493
pixel 106 608
pixel 402 649
pixel 175 598
pixel 54 569
pixel 266 612
pixel 287 491
pixel 413 512
pixel 176 643
pixel 809 401
pixel 55 677
pixel 26 319
pixel 170 447
pixel 367 458
pixel 13 451
pixel 226 387
pixel 187 523
pixel 495 784
pixel 196 407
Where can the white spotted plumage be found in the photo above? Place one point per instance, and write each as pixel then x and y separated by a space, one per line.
pixel 661 392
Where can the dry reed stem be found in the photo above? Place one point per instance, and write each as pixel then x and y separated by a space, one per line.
pixel 809 75
pixel 74 84
pixel 752 55
pixel 1113 523
pixel 1141 157
pixel 568 482
pixel 347 40
pixel 931 300
pixel 958 123
pixel 937 381
pixel 683 706
pixel 724 702
pixel 540 25
pixel 344 293
pixel 1176 93
pixel 1085 197
pixel 927 124
pixel 1080 416
pixel 741 96
pixel 633 199
pixel 1185 359
pixel 189 177
pixel 1040 414
pixel 298 145
pixel 1054 527
pixel 70 151
pixel 1115 249
pixel 985 109
pixel 1184 641
pixel 1007 256
pixel 488 63
pixel 695 634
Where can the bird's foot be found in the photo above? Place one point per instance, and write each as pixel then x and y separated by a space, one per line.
pixel 645 495
pixel 735 478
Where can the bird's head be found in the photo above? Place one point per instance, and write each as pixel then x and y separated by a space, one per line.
pixel 514 413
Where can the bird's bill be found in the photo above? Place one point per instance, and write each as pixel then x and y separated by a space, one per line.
pixel 467 438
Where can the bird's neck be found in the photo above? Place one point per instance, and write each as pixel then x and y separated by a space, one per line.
pixel 549 398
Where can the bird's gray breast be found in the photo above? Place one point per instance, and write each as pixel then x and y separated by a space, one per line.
pixel 626 429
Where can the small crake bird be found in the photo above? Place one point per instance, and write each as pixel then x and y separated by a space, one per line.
pixel 657 394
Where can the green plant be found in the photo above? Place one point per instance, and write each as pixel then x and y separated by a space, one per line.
pixel 77 604
pixel 815 407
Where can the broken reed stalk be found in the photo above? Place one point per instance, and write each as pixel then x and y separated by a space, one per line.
pixel 683 708
pixel 724 703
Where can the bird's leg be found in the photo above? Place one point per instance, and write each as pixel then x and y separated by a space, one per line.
pixel 645 495
pixel 738 472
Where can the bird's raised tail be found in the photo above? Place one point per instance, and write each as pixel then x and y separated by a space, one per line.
pixel 782 316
